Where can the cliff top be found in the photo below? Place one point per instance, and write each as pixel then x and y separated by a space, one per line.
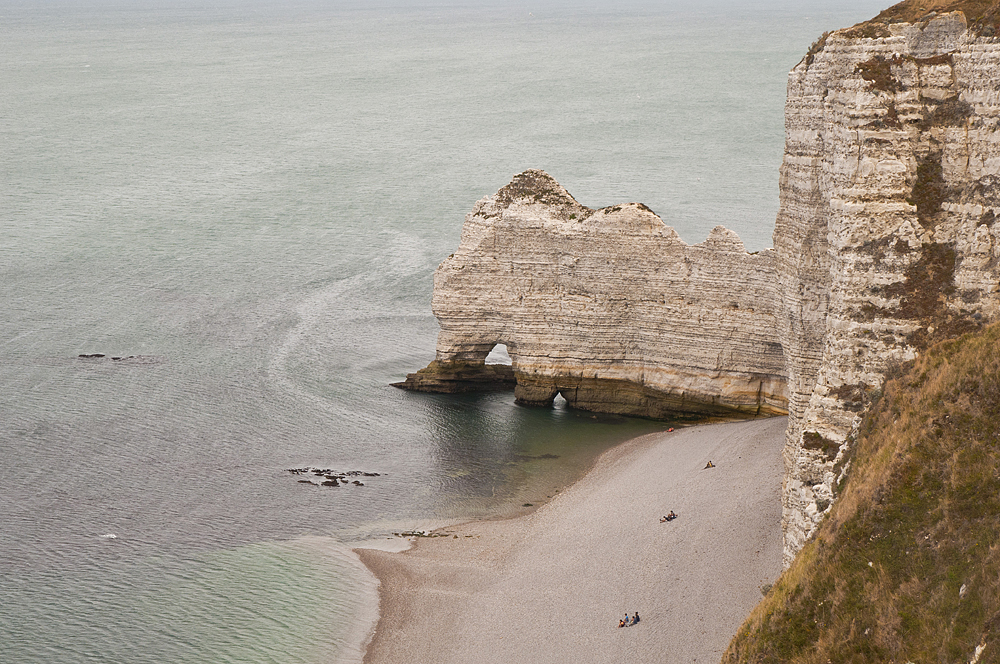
pixel 537 186
pixel 982 17
pixel 978 13
pixel 910 11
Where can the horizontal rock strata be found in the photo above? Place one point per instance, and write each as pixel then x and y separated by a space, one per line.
pixel 886 236
pixel 609 308
pixel 886 240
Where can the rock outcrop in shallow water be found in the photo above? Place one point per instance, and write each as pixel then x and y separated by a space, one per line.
pixel 886 240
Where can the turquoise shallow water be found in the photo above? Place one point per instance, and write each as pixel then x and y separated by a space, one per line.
pixel 255 603
pixel 250 198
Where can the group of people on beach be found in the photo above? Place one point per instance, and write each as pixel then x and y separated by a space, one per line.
pixel 668 517
pixel 628 622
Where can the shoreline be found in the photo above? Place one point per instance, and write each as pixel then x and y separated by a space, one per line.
pixel 551 585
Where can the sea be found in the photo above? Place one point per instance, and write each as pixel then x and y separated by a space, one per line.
pixel 240 206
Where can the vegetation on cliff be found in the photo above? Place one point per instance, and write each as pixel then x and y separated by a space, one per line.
pixel 982 15
pixel 906 567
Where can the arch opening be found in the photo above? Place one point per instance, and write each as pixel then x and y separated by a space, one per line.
pixel 499 355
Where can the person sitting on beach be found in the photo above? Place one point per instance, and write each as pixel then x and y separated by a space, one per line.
pixel 621 623
pixel 710 464
pixel 663 519
pixel 671 516
pixel 635 620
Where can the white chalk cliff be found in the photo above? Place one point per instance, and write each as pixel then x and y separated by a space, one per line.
pixel 886 241
pixel 886 237
pixel 608 307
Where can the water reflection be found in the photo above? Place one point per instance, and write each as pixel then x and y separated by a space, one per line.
pixel 491 453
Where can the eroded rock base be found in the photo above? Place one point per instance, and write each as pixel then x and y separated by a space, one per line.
pixel 458 377
pixel 622 397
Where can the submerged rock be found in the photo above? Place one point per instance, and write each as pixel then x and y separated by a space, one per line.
pixel 331 477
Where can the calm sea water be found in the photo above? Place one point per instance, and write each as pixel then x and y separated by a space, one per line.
pixel 250 198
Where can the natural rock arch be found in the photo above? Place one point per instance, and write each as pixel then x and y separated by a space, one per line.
pixel 887 239
pixel 609 308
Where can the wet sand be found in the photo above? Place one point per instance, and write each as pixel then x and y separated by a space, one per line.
pixel 552 585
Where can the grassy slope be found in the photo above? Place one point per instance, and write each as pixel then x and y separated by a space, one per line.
pixel 906 568
pixel 914 10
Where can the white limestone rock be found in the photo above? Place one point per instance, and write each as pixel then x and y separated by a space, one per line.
pixel 610 308
pixel 886 240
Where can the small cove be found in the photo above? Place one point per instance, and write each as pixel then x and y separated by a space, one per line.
pixel 252 199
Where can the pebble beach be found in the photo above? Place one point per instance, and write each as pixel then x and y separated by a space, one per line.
pixel 551 586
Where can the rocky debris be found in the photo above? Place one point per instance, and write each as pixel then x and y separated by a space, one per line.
pixel 426 533
pixel 332 478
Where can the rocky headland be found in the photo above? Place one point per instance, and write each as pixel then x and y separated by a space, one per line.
pixel 886 242
pixel 609 308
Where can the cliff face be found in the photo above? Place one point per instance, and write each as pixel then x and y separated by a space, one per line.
pixel 608 307
pixel 906 568
pixel 886 237
pixel 886 241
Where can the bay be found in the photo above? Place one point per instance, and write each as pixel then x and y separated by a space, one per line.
pixel 246 201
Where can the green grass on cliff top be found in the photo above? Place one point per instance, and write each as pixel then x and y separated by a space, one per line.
pixel 906 568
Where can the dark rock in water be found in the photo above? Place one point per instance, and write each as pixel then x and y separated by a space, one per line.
pixel 534 457
pixel 331 477
pixel 131 359
pixel 457 376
